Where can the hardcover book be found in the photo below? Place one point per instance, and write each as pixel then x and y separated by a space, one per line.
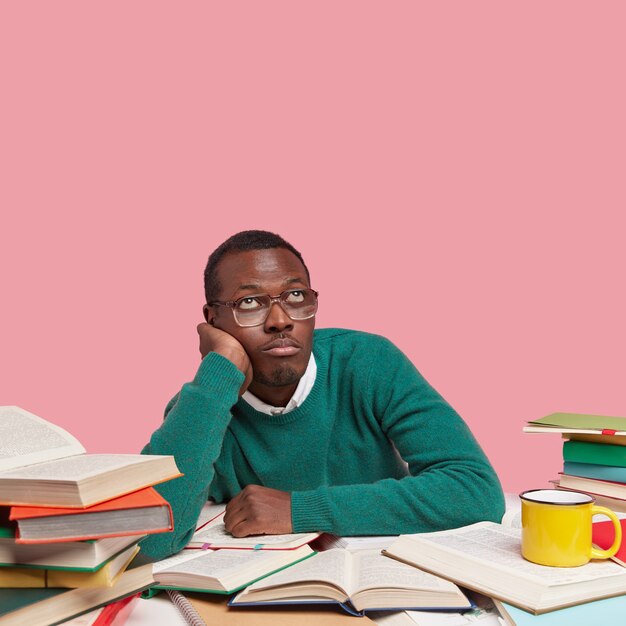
pixel 141 512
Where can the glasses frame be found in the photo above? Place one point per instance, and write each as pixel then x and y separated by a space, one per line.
pixel 232 305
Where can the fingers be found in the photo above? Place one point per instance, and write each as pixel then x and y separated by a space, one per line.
pixel 215 340
pixel 258 510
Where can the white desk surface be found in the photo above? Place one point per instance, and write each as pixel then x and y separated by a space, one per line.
pixel 158 611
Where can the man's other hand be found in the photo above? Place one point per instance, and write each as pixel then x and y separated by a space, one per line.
pixel 259 511
pixel 215 340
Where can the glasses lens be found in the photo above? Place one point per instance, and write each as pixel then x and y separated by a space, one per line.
pixel 299 304
pixel 252 311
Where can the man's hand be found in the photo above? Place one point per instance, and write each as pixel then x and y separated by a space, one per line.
pixel 215 340
pixel 259 511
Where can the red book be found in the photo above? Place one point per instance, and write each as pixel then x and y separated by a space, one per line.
pixel 603 535
pixel 138 513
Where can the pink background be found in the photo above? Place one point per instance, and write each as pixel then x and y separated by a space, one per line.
pixel 453 174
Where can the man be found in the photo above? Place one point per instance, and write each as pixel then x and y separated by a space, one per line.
pixel 302 430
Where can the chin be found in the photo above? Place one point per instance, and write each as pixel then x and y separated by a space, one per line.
pixel 279 376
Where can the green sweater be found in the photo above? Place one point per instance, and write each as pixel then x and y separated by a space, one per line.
pixel 339 453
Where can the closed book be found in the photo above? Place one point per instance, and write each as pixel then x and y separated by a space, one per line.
pixel 76 555
pixel 615 440
pixel 43 465
pixel 592 470
pixel 596 453
pixel 42 607
pixel 615 504
pixel 36 577
pixel 578 423
pixel 594 486
pixel 606 612
pixel 603 535
pixel 140 512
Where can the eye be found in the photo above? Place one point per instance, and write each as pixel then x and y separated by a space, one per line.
pixel 248 304
pixel 295 297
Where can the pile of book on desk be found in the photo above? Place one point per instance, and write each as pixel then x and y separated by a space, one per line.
pixel 594 455
pixel 70 522
pixel 476 571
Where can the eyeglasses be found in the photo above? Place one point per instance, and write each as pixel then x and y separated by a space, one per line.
pixel 298 304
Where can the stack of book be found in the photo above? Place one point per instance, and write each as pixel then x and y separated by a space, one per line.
pixel 70 522
pixel 594 455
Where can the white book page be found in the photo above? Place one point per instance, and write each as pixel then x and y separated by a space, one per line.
pixel 210 531
pixel 211 563
pixel 76 468
pixel 513 511
pixel 372 570
pixel 499 546
pixel 26 439
pixel 331 566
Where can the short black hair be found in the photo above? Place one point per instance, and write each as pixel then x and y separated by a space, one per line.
pixel 242 242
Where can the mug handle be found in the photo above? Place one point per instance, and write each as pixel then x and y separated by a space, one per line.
pixel 605 554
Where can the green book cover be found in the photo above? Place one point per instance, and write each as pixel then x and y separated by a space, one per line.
pixel 581 421
pixel 65 568
pixel 239 588
pixel 14 599
pixel 595 453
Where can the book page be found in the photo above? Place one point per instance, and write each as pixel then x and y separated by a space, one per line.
pixel 26 439
pixel 212 532
pixel 372 570
pixel 211 563
pixel 330 566
pixel 209 511
pixel 513 511
pixel 76 468
pixel 500 547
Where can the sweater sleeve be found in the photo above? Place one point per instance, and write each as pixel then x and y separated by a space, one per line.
pixel 450 483
pixel 193 431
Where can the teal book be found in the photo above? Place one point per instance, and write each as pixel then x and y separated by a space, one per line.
pixel 607 611
pixel 596 453
pixel 591 470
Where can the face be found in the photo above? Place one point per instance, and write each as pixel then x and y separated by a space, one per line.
pixel 277 368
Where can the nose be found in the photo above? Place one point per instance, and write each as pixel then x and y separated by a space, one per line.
pixel 277 320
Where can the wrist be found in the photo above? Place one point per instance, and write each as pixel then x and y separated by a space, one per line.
pixel 236 357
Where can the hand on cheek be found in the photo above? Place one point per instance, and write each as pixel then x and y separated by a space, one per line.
pixel 212 339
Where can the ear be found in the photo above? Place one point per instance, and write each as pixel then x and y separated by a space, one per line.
pixel 209 314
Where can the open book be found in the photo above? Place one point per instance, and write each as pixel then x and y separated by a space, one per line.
pixel 211 533
pixel 358 581
pixel 222 571
pixel 43 465
pixel 487 557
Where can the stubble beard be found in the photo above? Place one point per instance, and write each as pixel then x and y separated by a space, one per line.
pixel 279 377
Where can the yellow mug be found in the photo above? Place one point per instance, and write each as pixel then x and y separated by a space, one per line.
pixel 556 528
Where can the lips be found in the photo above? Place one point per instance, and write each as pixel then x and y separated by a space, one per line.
pixel 282 347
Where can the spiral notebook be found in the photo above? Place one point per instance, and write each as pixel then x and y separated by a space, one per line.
pixel 186 609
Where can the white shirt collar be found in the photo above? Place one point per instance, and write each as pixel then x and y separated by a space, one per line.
pixel 305 384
